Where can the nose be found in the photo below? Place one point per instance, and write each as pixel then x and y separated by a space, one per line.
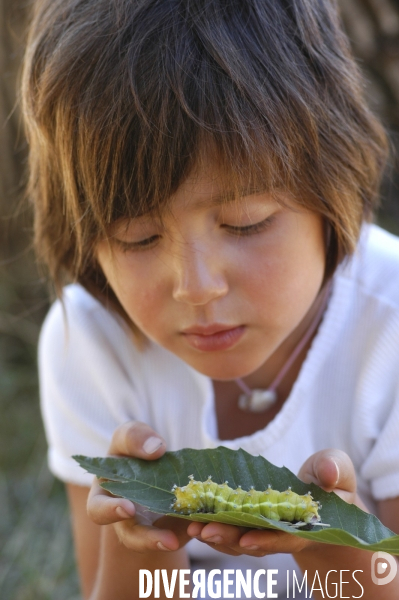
pixel 199 275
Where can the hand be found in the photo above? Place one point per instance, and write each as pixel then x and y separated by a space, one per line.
pixel 330 469
pixel 134 525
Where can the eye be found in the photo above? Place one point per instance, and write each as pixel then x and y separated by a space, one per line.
pixel 137 246
pixel 245 230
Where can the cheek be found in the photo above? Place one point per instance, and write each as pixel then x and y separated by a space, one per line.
pixel 140 295
pixel 143 301
pixel 286 276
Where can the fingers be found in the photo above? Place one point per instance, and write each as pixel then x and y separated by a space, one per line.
pixel 178 526
pixel 104 509
pixel 137 439
pixel 331 469
pixel 167 534
pixel 218 533
pixel 141 538
pixel 130 439
pixel 224 538
pixel 233 540
pixel 261 542
pixel 195 528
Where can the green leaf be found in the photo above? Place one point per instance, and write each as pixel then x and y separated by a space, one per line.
pixel 149 483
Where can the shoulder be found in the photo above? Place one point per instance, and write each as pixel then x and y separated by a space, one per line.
pixel 77 309
pixel 82 341
pixel 79 325
pixel 80 336
pixel 361 329
pixel 374 268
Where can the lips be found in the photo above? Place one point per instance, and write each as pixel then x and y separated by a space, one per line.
pixel 214 337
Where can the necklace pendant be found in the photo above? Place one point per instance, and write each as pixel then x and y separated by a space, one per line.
pixel 257 400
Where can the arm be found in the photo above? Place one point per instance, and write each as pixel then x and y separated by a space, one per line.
pixel 86 536
pixel 106 567
pixel 110 556
pixel 388 513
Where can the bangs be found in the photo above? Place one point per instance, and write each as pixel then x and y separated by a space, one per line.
pixel 189 88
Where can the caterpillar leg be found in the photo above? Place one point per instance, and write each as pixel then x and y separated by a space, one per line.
pixel 296 525
pixel 302 524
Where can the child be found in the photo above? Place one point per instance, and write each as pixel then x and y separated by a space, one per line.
pixel 203 172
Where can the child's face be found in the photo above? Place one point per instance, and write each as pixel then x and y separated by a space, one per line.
pixel 220 286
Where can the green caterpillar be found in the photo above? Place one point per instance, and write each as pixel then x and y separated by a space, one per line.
pixel 210 497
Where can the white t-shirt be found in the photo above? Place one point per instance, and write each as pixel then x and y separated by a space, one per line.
pixel 94 378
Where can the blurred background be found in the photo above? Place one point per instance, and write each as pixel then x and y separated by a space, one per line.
pixel 36 560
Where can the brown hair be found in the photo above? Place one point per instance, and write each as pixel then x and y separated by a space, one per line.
pixel 122 99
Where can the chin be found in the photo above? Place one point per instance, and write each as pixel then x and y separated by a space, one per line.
pixel 216 369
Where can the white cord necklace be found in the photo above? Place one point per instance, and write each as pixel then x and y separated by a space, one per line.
pixel 260 400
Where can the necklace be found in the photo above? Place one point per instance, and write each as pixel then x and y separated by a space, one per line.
pixel 260 400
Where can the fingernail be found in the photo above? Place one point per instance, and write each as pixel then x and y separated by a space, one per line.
pixel 308 478
pixel 121 512
pixel 152 444
pixel 160 545
pixel 252 548
pixel 216 539
pixel 336 464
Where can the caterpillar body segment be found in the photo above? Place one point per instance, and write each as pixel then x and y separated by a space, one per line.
pixel 210 497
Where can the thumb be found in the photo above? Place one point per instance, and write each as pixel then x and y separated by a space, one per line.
pixel 331 469
pixel 138 440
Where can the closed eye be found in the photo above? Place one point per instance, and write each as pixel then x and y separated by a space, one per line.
pixel 245 230
pixel 237 230
pixel 140 245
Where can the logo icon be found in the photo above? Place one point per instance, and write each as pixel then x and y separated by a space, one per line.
pixel 383 564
